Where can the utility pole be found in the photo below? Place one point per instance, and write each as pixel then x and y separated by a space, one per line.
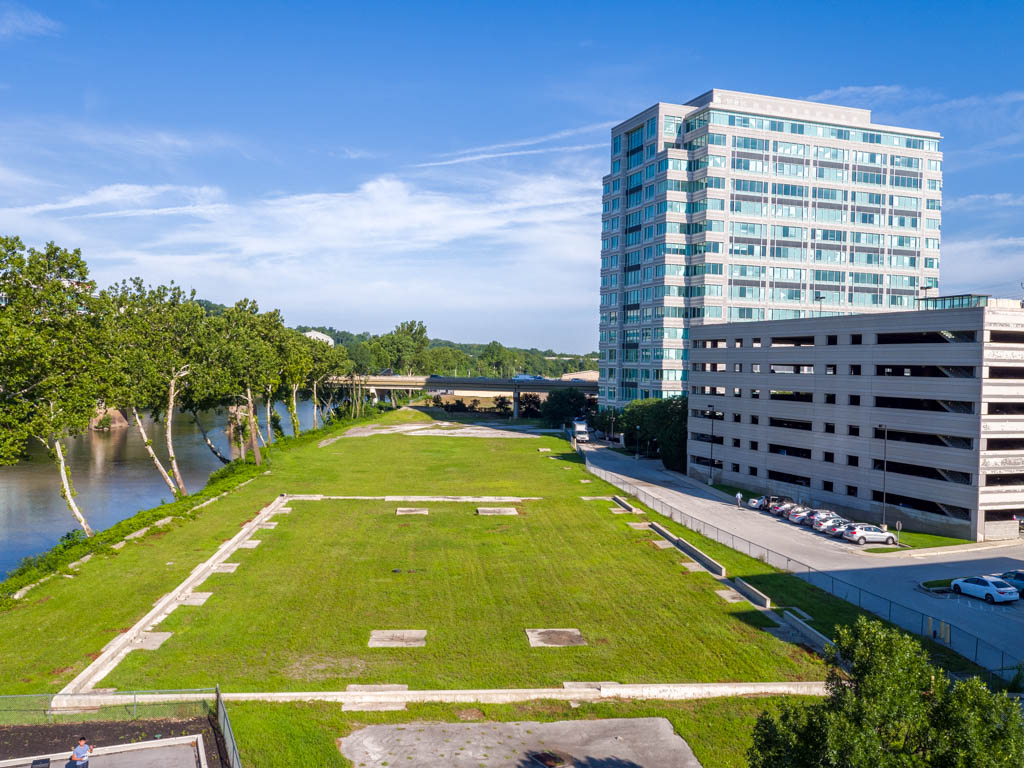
pixel 613 427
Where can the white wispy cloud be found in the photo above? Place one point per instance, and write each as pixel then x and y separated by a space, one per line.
pixel 17 21
pixel 984 202
pixel 868 95
pixel 465 256
pixel 592 128
pixel 517 153
pixel 354 153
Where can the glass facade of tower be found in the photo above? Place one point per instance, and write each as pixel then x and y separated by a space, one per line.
pixel 738 207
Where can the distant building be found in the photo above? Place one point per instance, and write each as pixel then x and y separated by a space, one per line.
pixel 736 206
pixel 580 375
pixel 922 410
pixel 317 336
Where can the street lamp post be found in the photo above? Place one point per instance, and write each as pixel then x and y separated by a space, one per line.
pixel 711 467
pixel 638 442
pixel 885 467
pixel 612 438
pixel 819 298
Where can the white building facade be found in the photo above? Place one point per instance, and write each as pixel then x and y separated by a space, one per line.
pixel 739 207
pixel 922 412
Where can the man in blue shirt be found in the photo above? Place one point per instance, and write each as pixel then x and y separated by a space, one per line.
pixel 80 754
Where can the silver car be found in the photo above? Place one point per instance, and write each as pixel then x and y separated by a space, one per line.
pixel 822 523
pixel 862 533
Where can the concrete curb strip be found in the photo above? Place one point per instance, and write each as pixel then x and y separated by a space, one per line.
pixel 814 638
pixel 712 565
pixel 755 596
pixel 596 692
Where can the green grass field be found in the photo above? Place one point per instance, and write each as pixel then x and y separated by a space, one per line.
pixel 322 580
pixel 287 735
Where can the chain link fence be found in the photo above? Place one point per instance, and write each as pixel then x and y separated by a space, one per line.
pixel 996 661
pixel 231 746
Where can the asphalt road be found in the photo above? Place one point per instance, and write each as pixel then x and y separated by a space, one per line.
pixel 894 576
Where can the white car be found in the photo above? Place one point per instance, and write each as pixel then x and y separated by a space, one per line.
pixel 755 502
pixel 991 589
pixel 862 533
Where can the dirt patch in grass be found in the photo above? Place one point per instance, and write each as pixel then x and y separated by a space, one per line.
pixel 469 714
pixel 323 667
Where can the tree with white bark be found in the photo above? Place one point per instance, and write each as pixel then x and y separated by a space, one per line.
pixel 53 372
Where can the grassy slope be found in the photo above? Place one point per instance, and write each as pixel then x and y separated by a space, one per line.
pixel 56 631
pixel 285 735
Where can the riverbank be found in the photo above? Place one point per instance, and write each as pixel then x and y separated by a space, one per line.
pixel 74 546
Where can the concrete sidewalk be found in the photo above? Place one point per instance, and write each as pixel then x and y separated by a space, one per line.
pixel 894 576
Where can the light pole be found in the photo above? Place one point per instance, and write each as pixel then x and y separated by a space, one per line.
pixel 711 467
pixel 885 467
pixel 819 298
pixel 638 442
pixel 612 438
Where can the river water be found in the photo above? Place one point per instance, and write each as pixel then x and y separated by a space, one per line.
pixel 114 478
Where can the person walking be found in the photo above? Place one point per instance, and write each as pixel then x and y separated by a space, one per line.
pixel 80 754
pixel 739 499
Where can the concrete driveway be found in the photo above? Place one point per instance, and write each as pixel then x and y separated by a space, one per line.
pixel 894 576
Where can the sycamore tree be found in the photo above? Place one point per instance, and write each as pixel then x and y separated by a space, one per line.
pixel 53 363
pixel 296 365
pixel 888 707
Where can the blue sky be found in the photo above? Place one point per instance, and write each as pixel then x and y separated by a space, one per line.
pixel 360 164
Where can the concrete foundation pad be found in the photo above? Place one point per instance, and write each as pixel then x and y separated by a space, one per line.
pixel 249 544
pixel 150 641
pixel 730 595
pixel 195 598
pixel 543 450
pixel 584 481
pixel 81 561
pixel 119 545
pixel 642 742
pixel 373 706
pixel 137 534
pixel 397 638
pixel 375 688
pixel 639 526
pixel 661 543
pixel 267 526
pixel 554 638
pixel 281 511
pixel 571 685
pixel 497 511
pixel 619 511
pixel 226 568
pixel 163 521
pixel 596 498
pixel 412 511
pixel 691 566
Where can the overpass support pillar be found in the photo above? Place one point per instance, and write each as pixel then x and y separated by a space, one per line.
pixel 515 404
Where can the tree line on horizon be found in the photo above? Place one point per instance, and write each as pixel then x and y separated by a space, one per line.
pixel 372 353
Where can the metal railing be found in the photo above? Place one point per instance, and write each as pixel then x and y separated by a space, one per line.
pixel 228 734
pixel 996 661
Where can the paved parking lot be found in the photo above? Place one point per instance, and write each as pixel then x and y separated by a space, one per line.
pixel 894 575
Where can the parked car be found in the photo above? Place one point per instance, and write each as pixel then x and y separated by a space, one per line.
pixel 798 514
pixel 838 528
pixel 782 508
pixel 1014 578
pixel 862 533
pixel 991 589
pixel 825 523
pixel 757 502
pixel 818 514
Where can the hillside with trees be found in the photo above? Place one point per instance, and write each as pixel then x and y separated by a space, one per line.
pixel 408 349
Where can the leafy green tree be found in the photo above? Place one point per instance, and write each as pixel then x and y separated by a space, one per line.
pixel 503 405
pixel 53 364
pixel 564 405
pixel 888 707
pixel 297 363
pixel 529 405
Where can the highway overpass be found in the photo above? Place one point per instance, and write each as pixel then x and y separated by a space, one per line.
pixel 512 387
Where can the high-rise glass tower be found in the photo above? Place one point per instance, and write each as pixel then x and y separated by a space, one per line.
pixel 736 207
